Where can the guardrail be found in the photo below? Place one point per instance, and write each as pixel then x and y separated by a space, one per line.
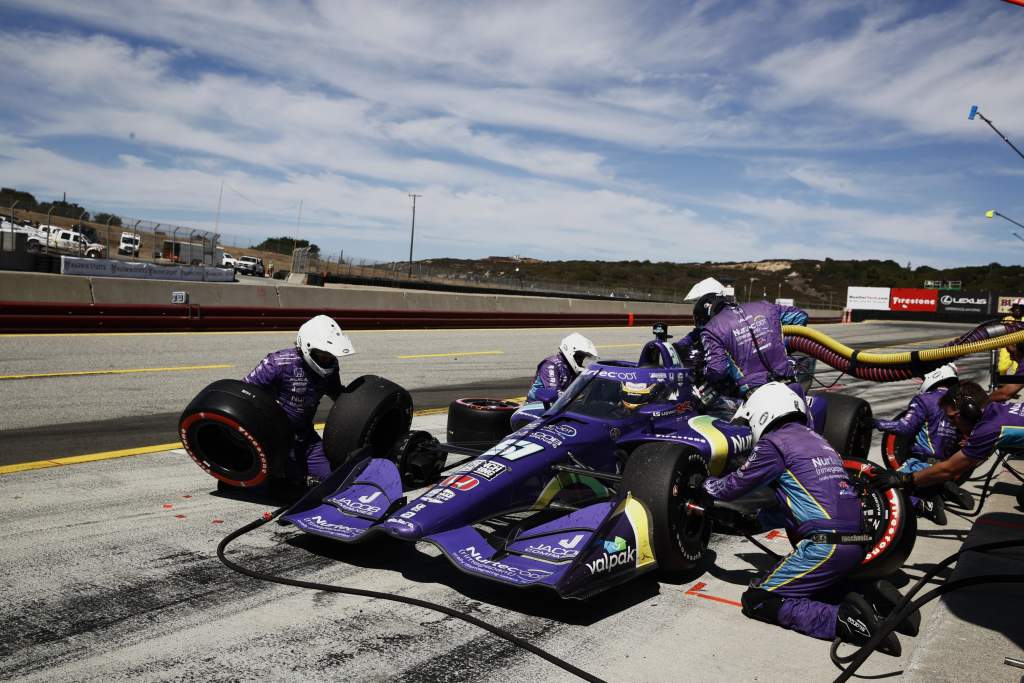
pixel 25 317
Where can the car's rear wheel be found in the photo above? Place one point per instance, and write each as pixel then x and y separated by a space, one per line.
pixel 667 479
pixel 848 425
pixel 479 422
pixel 371 411
pixel 237 433
pixel 887 517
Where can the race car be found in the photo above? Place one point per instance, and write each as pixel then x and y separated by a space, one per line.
pixel 602 487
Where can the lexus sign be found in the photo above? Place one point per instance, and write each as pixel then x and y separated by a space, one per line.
pixel 913 300
pixel 963 302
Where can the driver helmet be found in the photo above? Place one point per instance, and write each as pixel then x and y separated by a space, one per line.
pixel 945 375
pixel 321 343
pixel 707 307
pixel 576 350
pixel 636 394
pixel 767 405
pixel 1017 311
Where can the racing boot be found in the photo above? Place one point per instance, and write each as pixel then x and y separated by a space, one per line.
pixel 932 508
pixel 955 494
pixel 884 598
pixel 857 622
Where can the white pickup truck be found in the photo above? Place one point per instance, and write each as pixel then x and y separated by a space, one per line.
pixel 64 240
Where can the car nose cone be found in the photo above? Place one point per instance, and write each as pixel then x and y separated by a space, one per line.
pixel 402 528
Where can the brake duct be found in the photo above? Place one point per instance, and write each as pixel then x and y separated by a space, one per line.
pixel 894 367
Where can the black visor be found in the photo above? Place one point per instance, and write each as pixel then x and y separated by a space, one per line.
pixel 324 359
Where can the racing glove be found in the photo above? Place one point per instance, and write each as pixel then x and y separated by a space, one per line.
pixel 890 479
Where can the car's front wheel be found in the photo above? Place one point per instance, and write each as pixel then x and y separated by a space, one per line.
pixel 668 480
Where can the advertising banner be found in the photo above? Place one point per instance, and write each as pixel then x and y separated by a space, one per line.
pixel 963 302
pixel 1007 300
pixel 72 265
pixel 914 300
pixel 784 302
pixel 867 298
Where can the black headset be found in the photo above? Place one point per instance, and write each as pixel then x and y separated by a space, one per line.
pixel 968 408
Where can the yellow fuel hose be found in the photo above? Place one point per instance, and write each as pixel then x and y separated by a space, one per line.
pixel 904 357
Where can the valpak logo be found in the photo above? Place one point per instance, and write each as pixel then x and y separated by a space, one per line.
pixel 914 300
pixel 617 554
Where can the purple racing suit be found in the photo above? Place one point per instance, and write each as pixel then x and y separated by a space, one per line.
pixel 298 390
pixel 815 495
pixel 1001 426
pixel 553 373
pixel 935 437
pixel 745 344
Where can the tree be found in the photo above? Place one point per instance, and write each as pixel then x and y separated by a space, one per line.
pixel 104 217
pixel 285 245
pixel 26 202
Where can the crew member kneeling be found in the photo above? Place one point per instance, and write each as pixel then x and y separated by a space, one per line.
pixel 297 378
pixel 820 507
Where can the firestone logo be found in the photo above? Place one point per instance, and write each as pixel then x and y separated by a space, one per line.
pixel 911 302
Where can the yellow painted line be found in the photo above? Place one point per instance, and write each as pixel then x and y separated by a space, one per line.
pixel 618 346
pixel 158 448
pixel 125 371
pixel 464 353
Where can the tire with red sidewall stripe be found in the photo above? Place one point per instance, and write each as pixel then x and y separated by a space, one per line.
pixel 895 448
pixel 888 517
pixel 237 433
pixel 479 422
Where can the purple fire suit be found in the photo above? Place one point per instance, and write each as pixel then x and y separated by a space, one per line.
pixel 1001 426
pixel 745 344
pixel 815 495
pixel 935 437
pixel 298 390
pixel 554 373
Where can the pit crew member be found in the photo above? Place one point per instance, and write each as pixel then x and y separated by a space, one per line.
pixel 1013 377
pixel 819 506
pixel 298 377
pixel 744 343
pixel 988 424
pixel 558 371
pixel 935 437
pixel 1007 365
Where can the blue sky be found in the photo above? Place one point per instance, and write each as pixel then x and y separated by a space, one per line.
pixel 681 131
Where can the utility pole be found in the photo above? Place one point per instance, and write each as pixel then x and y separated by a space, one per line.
pixel 412 232
pixel 220 196
pixel 298 224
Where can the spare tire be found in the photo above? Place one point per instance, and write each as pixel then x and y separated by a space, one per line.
pixel 895 448
pixel 665 477
pixel 236 432
pixel 479 422
pixel 888 517
pixel 371 411
pixel 848 425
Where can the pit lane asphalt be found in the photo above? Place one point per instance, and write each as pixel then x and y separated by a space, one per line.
pixel 46 417
pixel 109 573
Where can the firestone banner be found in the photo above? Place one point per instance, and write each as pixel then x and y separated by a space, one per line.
pixel 963 302
pixel 914 300
pixel 867 298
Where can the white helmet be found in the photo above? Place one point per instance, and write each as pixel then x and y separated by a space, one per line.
pixel 767 404
pixel 708 285
pixel 946 372
pixel 322 343
pixel 576 349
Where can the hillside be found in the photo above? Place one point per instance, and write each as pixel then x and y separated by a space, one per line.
pixel 804 280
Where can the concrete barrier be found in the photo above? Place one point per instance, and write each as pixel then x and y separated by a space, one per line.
pixel 158 292
pixel 45 287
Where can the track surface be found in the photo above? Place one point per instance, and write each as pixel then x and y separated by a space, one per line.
pixel 110 572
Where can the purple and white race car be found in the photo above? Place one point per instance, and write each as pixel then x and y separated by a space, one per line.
pixel 590 494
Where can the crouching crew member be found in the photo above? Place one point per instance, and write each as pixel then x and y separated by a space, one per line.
pixel 820 508
pixel 988 424
pixel 297 378
pixel 558 371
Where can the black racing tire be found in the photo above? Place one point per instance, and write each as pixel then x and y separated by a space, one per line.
pixel 664 477
pixel 1020 497
pixel 371 411
pixel 888 517
pixel 237 433
pixel 848 425
pixel 419 458
pixel 479 422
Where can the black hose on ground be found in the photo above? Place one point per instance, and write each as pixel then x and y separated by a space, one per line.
pixel 479 623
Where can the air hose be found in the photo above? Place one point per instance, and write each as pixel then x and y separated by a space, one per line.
pixel 469 619
pixel 894 367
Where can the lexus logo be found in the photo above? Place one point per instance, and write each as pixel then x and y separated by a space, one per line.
pixel 946 300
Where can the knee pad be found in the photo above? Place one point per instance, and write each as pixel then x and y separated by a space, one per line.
pixel 761 605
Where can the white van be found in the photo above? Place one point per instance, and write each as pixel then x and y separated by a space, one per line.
pixel 130 244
